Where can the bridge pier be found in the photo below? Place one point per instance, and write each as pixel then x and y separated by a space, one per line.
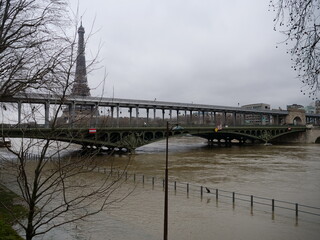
pixel 118 115
pixel 224 118
pixel 72 109
pixel 19 113
pixel 130 116
pixel 46 114
pixel 163 112
pixel 178 116
pixel 112 117
pixel 137 116
pixel 97 114
pixel 147 110
pixel 203 117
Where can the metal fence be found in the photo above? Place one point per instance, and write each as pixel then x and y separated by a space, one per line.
pixel 219 194
pixel 201 191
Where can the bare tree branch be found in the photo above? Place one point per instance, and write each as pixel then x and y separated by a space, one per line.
pixel 299 20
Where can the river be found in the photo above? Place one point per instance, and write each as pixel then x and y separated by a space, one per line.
pixel 282 172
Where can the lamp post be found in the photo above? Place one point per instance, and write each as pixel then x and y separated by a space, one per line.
pixel 168 130
pixel 165 230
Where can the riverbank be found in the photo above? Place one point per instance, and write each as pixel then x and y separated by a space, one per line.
pixel 10 211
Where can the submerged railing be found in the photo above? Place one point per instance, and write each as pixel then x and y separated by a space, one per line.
pixel 202 191
pixel 205 191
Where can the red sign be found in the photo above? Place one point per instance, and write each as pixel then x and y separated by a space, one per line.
pixel 92 130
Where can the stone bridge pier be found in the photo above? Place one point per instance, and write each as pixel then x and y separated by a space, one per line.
pixel 312 135
pixel 296 117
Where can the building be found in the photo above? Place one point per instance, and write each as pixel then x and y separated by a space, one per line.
pixel 256 119
pixel 294 107
pixel 317 107
pixel 257 106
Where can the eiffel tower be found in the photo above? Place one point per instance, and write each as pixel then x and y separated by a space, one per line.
pixel 80 85
pixel 81 113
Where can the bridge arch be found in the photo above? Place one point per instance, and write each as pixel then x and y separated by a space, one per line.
pixel 296 117
pixel 317 140
pixel 297 121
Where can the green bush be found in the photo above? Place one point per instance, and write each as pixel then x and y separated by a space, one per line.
pixel 9 212
pixel 7 233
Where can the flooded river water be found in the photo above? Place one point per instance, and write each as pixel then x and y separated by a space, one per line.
pixel 282 172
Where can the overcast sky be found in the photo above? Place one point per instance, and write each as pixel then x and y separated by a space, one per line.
pixel 202 51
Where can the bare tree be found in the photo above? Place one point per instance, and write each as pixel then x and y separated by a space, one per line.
pixel 299 20
pixel 37 54
pixel 28 42
pixel 59 190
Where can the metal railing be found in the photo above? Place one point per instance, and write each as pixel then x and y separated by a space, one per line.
pixel 218 194
pixel 205 191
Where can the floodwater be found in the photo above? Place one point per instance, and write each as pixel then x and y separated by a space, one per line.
pixel 282 172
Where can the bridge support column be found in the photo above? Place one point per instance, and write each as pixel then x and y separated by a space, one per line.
pixel 130 116
pixel 215 118
pixel 112 117
pixel 177 116
pixel 72 109
pixel 191 117
pixel 224 119
pixel 242 117
pixel 147 115
pixel 118 115
pixel 154 115
pixel 46 114
pixel 170 114
pixel 185 117
pixel 97 114
pixel 19 112
pixel 137 115
pixel 91 123
pixel 163 112
pixel 203 117
pixel 234 115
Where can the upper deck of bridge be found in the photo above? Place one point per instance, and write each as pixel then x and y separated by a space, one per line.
pixel 133 103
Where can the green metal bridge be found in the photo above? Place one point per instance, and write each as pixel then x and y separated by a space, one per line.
pixel 130 138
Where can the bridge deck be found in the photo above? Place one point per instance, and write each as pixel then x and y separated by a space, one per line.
pixel 132 137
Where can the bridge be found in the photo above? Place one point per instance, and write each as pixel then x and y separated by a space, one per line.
pixel 128 138
pixel 124 130
pixel 188 113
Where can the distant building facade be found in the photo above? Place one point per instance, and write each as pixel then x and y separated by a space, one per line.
pixel 317 107
pixel 254 118
pixel 257 106
pixel 294 106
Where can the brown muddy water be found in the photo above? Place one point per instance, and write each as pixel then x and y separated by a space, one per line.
pixel 282 172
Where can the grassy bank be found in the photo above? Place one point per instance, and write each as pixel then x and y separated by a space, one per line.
pixel 9 211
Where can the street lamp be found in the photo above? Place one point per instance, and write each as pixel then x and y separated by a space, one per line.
pixel 165 230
